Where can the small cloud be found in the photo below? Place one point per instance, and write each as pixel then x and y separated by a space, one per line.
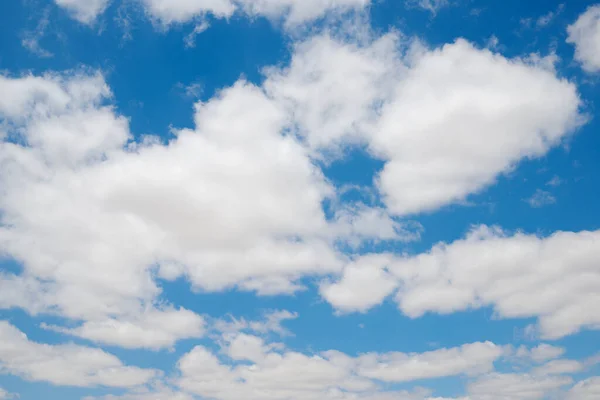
pixel 190 40
pixel 555 181
pixel 476 12
pixel 493 42
pixel 432 6
pixel 31 39
pixel 547 19
pixel 192 90
pixel 541 198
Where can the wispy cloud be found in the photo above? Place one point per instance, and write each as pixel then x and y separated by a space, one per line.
pixel 31 39
pixel 540 199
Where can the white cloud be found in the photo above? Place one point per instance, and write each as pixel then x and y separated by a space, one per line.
pixel 214 201
pixel 294 12
pixel 472 359
pixel 31 39
pixel 584 34
pixel 540 353
pixel 459 118
pixel 158 392
pixel 178 11
pixel 269 374
pixel 516 387
pixel 588 389
pixel 297 12
pixel 271 322
pixel 64 365
pixel 4 395
pixel 365 283
pixel 432 6
pixel 447 121
pixel 520 276
pixel 559 367
pixel 85 11
pixel 333 89
pixel 541 198
pixel 152 329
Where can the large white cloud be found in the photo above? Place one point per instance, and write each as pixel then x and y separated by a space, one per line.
pixel 447 121
pixel 588 389
pixel 95 218
pixel 584 34
pixel 65 365
pixel 257 370
pixel 517 387
pixel 553 278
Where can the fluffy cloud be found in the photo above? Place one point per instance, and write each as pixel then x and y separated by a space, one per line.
pixel 588 389
pixel 152 329
pixel 446 121
pixel 174 11
pixel 66 365
pixel 4 395
pixel 516 387
pixel 94 218
pixel 85 11
pixel 399 367
pixel 459 118
pixel 521 276
pixel 293 12
pixel 364 284
pixel 432 6
pixel 584 34
pixel 265 373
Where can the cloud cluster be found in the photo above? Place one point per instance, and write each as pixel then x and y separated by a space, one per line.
pixel 552 278
pixel 167 12
pixel 258 371
pixel 66 365
pixel 97 219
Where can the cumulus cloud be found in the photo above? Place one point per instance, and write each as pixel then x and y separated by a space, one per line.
pixel 84 11
pixel 152 329
pixel 588 389
pixel 584 34
pixel 168 12
pixel 232 203
pixel 432 6
pixel 446 121
pixel 65 365
pixel 517 387
pixel 266 373
pixel 520 276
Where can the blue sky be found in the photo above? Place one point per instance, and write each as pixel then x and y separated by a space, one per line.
pixel 299 199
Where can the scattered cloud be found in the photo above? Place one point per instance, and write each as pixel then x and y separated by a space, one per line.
pixel 555 181
pixel 31 39
pixel 541 198
pixel 84 11
pixel 432 6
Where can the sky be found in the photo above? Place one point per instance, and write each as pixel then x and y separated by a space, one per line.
pixel 299 200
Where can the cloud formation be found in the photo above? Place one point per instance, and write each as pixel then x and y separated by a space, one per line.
pixel 584 34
